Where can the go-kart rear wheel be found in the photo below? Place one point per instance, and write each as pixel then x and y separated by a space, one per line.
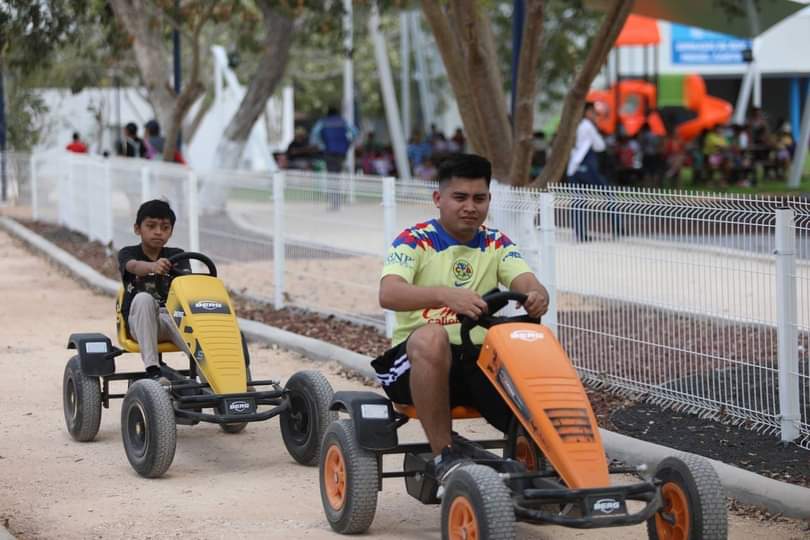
pixel 694 503
pixel 148 428
pixel 81 399
pixel 233 428
pixel 304 423
pixel 477 504
pixel 349 479
pixel 522 448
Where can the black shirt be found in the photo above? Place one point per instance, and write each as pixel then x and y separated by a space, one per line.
pixel 154 284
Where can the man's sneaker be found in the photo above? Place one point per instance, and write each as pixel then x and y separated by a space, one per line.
pixel 448 461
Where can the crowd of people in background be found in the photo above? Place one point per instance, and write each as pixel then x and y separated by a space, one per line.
pixel 130 144
pixel 730 154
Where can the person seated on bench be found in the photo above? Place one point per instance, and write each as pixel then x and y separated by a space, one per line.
pixel 434 271
pixel 144 270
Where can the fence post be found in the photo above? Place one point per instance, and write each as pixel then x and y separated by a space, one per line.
pixel 146 184
pixel 278 239
pixel 389 203
pixel 109 231
pixel 193 213
pixel 548 268
pixel 71 189
pixel 34 189
pixel 786 329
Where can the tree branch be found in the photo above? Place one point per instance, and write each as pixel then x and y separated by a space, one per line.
pixel 575 100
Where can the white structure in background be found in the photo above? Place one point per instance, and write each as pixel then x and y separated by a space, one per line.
pixel 273 131
pixel 95 113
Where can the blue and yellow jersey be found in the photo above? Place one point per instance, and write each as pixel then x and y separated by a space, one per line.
pixel 426 256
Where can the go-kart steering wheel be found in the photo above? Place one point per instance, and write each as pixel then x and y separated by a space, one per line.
pixel 189 255
pixel 495 301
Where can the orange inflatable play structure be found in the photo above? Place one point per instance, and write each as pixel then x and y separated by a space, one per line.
pixel 640 100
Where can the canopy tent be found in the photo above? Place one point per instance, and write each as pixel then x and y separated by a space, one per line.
pixel 638 30
pixel 746 19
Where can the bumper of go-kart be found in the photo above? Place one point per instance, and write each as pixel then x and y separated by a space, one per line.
pixel 190 398
pixel 589 508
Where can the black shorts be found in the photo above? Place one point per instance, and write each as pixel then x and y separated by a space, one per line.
pixel 468 385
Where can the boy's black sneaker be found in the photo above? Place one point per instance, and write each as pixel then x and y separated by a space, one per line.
pixel 443 465
pixel 153 372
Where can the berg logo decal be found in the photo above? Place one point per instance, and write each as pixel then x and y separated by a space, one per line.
pixel 239 406
pixel 526 335
pixel 462 270
pixel 208 305
pixel 607 506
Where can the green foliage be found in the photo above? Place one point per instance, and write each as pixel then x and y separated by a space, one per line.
pixel 566 31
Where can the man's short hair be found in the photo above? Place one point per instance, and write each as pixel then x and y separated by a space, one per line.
pixel 131 128
pixel 464 166
pixel 589 106
pixel 156 209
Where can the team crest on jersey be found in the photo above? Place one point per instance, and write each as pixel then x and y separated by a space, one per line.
pixel 462 270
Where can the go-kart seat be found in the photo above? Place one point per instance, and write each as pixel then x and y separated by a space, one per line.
pixel 125 340
pixel 459 412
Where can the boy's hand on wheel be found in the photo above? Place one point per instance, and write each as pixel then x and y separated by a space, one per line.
pixel 465 302
pixel 161 266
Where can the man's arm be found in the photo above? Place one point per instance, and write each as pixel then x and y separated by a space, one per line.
pixel 397 294
pixel 536 304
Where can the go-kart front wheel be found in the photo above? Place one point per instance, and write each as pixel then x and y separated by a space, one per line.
pixel 349 477
pixel 694 503
pixel 81 400
pixel 477 504
pixel 148 428
pixel 304 423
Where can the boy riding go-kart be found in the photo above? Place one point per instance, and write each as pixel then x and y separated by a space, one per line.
pixel 553 467
pixel 164 307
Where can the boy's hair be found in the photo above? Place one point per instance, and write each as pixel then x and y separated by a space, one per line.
pixel 464 166
pixel 156 209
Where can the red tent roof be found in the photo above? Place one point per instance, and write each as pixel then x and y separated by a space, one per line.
pixel 639 30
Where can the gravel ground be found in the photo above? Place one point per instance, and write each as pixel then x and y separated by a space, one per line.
pixel 717 438
pixel 219 486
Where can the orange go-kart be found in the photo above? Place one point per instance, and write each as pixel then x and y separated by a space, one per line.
pixel 551 468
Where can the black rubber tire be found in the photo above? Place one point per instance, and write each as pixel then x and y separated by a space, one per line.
pixel 517 431
pixel 233 428
pixel 304 423
pixel 706 499
pixel 148 428
pixel 489 498
pixel 362 478
pixel 81 401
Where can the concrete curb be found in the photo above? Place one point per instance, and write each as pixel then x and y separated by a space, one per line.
pixel 747 487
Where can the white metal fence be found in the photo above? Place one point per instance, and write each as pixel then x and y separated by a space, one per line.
pixel 695 300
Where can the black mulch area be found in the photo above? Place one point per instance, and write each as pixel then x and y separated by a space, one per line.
pixel 734 444
pixel 731 444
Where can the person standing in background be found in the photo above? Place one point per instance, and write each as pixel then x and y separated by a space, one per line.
pixel 76 145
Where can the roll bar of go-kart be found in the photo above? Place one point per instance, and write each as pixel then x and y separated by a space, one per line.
pixel 189 255
pixel 495 301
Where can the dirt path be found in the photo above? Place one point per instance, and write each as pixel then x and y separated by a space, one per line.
pixel 219 486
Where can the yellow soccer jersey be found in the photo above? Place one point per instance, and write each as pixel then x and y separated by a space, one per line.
pixel 426 256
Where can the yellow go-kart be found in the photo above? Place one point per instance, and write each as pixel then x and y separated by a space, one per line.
pixel 217 387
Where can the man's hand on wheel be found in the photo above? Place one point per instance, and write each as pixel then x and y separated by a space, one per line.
pixel 465 302
pixel 536 304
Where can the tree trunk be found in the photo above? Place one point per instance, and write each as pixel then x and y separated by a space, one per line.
pixel 450 49
pixel 279 30
pixel 525 94
pixel 575 100
pixel 152 58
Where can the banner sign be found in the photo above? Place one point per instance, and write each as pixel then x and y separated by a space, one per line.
pixel 692 45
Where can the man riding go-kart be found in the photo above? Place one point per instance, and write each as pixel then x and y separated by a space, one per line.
pixel 438 270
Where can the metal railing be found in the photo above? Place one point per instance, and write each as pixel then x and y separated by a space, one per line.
pixel 697 301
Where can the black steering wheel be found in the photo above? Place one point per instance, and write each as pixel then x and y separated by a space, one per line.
pixel 191 255
pixel 495 301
